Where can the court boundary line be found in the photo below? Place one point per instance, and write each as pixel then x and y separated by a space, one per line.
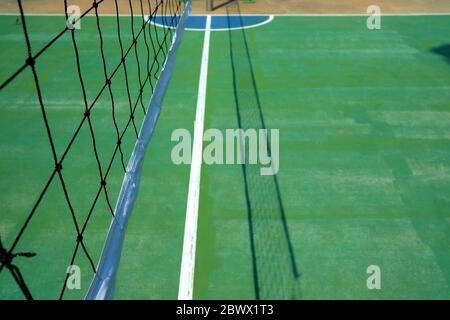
pixel 400 14
pixel 412 14
pixel 186 284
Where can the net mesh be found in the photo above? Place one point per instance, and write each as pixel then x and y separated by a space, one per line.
pixel 111 64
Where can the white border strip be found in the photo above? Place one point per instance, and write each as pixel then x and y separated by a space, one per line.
pixel 333 14
pixel 255 14
pixel 358 14
pixel 103 284
pixel 186 288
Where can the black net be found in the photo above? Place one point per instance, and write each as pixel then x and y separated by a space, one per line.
pixel 118 74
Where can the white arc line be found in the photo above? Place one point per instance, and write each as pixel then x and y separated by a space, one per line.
pixel 186 287
pixel 260 24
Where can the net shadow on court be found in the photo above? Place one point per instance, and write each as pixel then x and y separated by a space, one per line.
pixel 443 51
pixel 275 272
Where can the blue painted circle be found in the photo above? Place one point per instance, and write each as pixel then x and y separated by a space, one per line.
pixel 217 22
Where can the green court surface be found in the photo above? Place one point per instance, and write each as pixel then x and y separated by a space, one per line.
pixel 364 179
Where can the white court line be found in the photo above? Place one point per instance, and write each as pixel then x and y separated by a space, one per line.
pixel 400 14
pixel 332 14
pixel 412 14
pixel 186 287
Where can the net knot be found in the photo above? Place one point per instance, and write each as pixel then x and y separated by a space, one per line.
pixel 30 61
pixel 7 257
pixel 79 237
pixel 58 167
pixel 103 183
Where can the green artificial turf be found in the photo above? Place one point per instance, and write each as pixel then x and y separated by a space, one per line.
pixel 364 161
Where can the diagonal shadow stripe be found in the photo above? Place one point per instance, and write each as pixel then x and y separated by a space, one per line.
pixel 275 271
